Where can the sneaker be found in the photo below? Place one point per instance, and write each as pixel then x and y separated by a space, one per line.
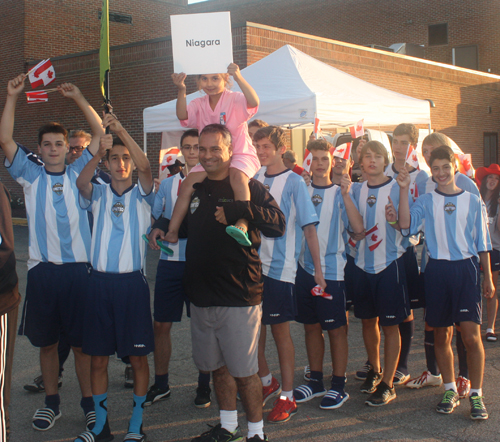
pixel 307 373
pixel 448 403
pixel 333 399
pixel 371 381
pixel 477 408
pixel 203 399
pixel 282 411
pixel 129 377
pixel 463 387
pixel 363 371
pixel 37 385
pixel 400 378
pixel 305 393
pixel 257 439
pixel 426 379
pixel 270 391
pixel 382 395
pixel 156 394
pixel 491 337
pixel 219 434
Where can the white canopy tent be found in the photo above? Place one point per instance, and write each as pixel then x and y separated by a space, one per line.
pixel 294 88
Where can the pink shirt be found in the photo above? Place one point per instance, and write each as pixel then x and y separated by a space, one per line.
pixel 232 111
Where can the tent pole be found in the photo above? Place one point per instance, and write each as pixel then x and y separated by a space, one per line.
pixel 146 143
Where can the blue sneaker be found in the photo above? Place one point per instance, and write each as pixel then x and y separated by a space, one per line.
pixel 305 393
pixel 333 399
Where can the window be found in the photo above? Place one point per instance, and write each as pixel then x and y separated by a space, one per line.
pixel 118 17
pixel 465 57
pixel 490 143
pixel 438 34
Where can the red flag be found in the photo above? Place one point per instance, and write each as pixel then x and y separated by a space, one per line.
pixel 318 291
pixel 465 164
pixel 357 130
pixel 307 160
pixel 317 129
pixel 343 151
pixel 412 157
pixel 37 97
pixel 372 236
pixel 42 74
pixel 352 242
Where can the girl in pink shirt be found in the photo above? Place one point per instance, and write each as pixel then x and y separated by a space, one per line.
pixel 219 106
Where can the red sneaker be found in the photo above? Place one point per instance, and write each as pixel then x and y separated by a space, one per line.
pixel 270 391
pixel 463 387
pixel 282 411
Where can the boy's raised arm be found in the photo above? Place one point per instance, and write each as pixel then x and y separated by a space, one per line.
pixel 404 218
pixel 83 181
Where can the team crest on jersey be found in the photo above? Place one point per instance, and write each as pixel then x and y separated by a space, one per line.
pixel 118 209
pixel 267 187
pixel 449 208
pixel 317 200
pixel 371 200
pixel 194 204
pixel 57 188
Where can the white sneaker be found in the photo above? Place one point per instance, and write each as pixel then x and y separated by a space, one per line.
pixel 400 378
pixel 426 379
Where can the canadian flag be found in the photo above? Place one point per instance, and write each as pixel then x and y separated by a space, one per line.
pixel 373 238
pixel 343 151
pixel 357 130
pixel 307 160
pixel 317 129
pixel 169 158
pixel 412 157
pixel 352 242
pixel 465 164
pixel 37 97
pixel 42 74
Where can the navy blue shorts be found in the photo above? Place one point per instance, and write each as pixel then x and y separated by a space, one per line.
pixel 169 297
pixel 383 295
pixel 330 313
pixel 349 275
pixel 413 280
pixel 55 300
pixel 452 292
pixel 495 261
pixel 279 304
pixel 118 316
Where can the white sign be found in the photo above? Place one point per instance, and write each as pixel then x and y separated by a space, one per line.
pixel 202 43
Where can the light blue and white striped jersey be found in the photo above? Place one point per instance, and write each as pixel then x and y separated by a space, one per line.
pixel 418 180
pixel 164 205
pixel 333 223
pixel 383 244
pixel 119 223
pixel 351 245
pixel 279 256
pixel 462 181
pixel 455 225
pixel 59 229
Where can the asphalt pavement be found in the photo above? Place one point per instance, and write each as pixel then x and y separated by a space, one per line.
pixel 411 416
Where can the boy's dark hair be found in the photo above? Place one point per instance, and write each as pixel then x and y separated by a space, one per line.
pixel 442 153
pixel 218 129
pixel 407 129
pixel 377 147
pixel 258 123
pixel 275 134
pixel 319 144
pixel 189 133
pixel 52 128
pixel 116 142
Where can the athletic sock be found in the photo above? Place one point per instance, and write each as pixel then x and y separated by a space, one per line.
pixel 203 379
pixel 287 395
pixel 451 386
pixel 161 380
pixel 316 381
pixel 52 401
pixel 478 391
pixel 256 429
pixel 266 380
pixel 135 423
pixel 87 404
pixel 430 354
pixel 489 330
pixel 406 330
pixel 229 420
pixel 463 370
pixel 101 412
pixel 338 383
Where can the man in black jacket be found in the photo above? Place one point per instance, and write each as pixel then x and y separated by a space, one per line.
pixel 223 281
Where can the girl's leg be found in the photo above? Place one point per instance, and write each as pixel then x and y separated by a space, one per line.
pixel 492 304
pixel 239 184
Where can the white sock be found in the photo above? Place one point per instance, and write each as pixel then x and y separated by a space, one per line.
pixel 489 330
pixel 451 386
pixel 478 391
pixel 287 395
pixel 229 420
pixel 266 380
pixel 256 428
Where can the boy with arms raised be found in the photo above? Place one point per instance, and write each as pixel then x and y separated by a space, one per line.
pixel 335 210
pixel 456 235
pixel 279 265
pixel 117 312
pixel 59 246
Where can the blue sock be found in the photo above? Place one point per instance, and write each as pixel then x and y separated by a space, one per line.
pixel 53 402
pixel 136 419
pixel 316 382
pixel 87 404
pixel 406 330
pixel 101 412
pixel 161 380
pixel 338 383
pixel 203 379
pixel 430 355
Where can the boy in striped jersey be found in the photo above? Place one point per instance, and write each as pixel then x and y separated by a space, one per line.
pixel 117 311
pixel 336 210
pixel 456 235
pixel 59 249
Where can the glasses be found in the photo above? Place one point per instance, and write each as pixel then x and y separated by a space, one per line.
pixel 76 148
pixel 189 147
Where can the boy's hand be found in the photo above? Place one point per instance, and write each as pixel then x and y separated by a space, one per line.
pixel 404 178
pixel 390 212
pixel 345 184
pixel 110 120
pixel 488 288
pixel 69 90
pixel 234 70
pixel 153 236
pixel 320 280
pixel 105 144
pixel 157 183
pixel 220 215
pixel 16 85
pixel 179 80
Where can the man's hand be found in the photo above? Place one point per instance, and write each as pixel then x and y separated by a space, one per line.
pixel 345 184
pixel 307 177
pixel 153 236
pixel 404 178
pixel 110 120
pixel 69 90
pixel 105 144
pixel 16 85
pixel 179 81
pixel 234 70
pixel 220 215
pixel 391 215
pixel 157 183
pixel 488 288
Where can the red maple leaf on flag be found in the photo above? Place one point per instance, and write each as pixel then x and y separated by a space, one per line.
pixel 359 127
pixel 50 74
pixel 414 157
pixel 374 237
pixel 308 162
pixel 169 158
pixel 466 164
pixel 341 150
